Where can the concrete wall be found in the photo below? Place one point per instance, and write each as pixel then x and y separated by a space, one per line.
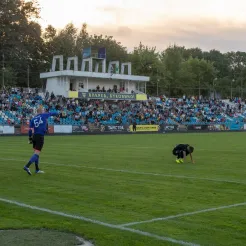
pixel 109 84
pixel 58 85
pixel 106 83
pixel 61 85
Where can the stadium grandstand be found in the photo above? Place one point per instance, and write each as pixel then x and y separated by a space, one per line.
pixel 17 106
pixel 111 98
pixel 92 81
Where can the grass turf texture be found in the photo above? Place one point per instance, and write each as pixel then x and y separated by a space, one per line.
pixel 87 182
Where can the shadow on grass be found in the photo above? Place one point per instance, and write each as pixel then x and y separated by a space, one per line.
pixel 42 237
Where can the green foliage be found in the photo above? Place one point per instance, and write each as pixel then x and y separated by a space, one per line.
pixel 173 71
pixel 20 38
pixel 71 41
pixel 145 60
pixel 9 76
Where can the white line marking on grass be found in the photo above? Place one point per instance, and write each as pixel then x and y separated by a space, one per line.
pixel 72 146
pixel 161 238
pixel 197 167
pixel 184 214
pixel 103 145
pixel 76 148
pixel 136 172
pixel 83 242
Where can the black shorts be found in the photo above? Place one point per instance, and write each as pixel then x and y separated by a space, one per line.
pixel 38 142
pixel 178 152
pixel 175 152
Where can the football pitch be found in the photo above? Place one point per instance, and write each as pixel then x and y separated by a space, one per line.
pixel 127 189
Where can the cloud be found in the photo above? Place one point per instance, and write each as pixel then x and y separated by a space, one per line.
pixel 206 33
pixel 109 8
pixel 124 31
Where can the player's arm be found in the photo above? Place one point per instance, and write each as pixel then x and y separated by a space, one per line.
pixel 191 158
pixel 47 115
pixel 53 113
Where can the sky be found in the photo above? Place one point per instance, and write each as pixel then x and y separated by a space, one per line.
pixel 208 24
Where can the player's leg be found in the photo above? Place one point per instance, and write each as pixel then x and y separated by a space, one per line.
pixel 37 146
pixel 38 149
pixel 33 157
pixel 175 153
pixel 179 156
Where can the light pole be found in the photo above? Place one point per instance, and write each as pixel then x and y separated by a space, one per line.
pixel 3 73
pixel 28 75
pixel 232 81
pixel 241 88
pixel 199 88
pixel 214 86
pixel 157 87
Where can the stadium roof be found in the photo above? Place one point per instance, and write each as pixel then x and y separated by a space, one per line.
pixel 71 73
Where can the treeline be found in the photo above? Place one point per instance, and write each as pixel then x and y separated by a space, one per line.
pixel 26 50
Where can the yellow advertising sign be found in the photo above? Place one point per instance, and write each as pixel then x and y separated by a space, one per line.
pixel 141 97
pixel 146 128
pixel 107 96
pixel 73 94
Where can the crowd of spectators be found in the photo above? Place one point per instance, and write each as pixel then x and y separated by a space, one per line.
pixel 115 89
pixel 18 106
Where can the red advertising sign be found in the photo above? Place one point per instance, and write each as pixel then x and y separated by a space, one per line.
pixel 25 129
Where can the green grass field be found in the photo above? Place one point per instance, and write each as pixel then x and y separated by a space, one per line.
pixel 113 180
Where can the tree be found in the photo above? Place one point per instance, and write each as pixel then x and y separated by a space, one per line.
pixel 49 47
pixel 9 76
pixel 174 71
pixel 83 40
pixel 145 61
pixel 115 50
pixel 172 59
pixel 187 79
pixel 203 73
pixel 20 37
pixel 65 41
pixel 59 43
pixel 193 52
pixel 220 62
pixel 49 34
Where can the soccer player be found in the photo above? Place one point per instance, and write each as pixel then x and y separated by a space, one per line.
pixel 37 130
pixel 181 151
